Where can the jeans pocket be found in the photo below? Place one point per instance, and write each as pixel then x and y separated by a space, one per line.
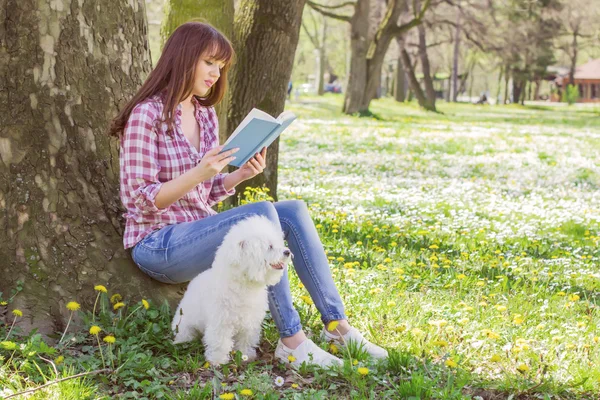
pixel 155 275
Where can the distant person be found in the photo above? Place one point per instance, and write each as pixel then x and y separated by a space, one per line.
pixel 171 177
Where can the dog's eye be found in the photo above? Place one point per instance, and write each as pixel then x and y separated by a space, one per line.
pixel 271 247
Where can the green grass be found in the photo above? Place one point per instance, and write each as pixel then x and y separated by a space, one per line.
pixel 465 242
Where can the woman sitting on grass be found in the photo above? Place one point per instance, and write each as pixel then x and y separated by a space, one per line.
pixel 170 179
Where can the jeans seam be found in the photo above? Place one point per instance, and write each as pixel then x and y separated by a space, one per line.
pixel 305 258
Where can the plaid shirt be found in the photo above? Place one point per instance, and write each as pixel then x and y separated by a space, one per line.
pixel 150 157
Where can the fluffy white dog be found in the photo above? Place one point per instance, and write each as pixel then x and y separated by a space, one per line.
pixel 227 303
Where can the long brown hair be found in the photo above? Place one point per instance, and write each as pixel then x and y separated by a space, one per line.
pixel 173 76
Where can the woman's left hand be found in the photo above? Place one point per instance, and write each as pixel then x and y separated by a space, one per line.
pixel 255 165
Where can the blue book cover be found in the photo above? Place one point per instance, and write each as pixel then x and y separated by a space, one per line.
pixel 256 131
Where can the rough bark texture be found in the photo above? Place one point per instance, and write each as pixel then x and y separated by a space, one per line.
pixel 265 39
pixel 67 67
pixel 219 13
pixel 359 45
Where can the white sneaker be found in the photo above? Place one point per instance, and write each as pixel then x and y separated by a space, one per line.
pixel 307 352
pixel 353 335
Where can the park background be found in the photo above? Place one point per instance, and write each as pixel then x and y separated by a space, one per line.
pixel 463 238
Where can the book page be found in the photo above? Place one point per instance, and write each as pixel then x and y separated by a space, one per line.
pixel 255 113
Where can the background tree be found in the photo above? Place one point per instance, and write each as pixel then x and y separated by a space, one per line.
pixel 66 69
pixel 219 13
pixel 265 38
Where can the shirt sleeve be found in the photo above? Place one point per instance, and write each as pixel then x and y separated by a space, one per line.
pixel 217 191
pixel 139 161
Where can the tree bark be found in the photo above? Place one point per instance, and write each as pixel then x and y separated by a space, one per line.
pixel 265 38
pixel 412 78
pixel 426 69
pixel 400 88
pixel 67 69
pixel 454 81
pixel 322 59
pixel 219 13
pixel 359 45
pixel 573 58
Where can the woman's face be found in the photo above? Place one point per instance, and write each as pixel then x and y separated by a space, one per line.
pixel 208 71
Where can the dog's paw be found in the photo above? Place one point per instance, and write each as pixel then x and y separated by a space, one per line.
pixel 217 359
pixel 250 353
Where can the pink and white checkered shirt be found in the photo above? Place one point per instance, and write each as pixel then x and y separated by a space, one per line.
pixel 150 157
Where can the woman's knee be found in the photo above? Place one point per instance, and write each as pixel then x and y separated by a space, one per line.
pixel 292 208
pixel 264 208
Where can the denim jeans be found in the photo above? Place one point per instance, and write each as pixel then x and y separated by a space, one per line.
pixel 179 252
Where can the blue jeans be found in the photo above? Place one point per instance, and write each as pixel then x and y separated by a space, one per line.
pixel 179 252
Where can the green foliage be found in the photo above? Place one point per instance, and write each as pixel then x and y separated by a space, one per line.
pixel 570 95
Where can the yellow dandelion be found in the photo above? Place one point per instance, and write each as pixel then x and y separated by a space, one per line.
pixel 145 304
pixel 291 358
pixel 206 365
pixel 450 363
pixel 440 343
pixel 95 329
pixel 355 362
pixel 100 288
pixel 518 321
pixel 295 385
pixel 500 308
pixel 118 305
pixel 363 371
pixel 17 313
pixel 307 300
pixel 227 396
pixel 523 368
pixel 333 348
pixel 495 358
pixel 109 339
pixel 561 294
pixel 115 298
pixel 73 306
pixel 461 276
pixel 332 325
pixel 3 303
pixel 246 392
pixel 59 360
pixel 574 297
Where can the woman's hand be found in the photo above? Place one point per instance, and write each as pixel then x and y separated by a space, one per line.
pixel 254 166
pixel 212 163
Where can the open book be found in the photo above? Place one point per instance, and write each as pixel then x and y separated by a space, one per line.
pixel 256 131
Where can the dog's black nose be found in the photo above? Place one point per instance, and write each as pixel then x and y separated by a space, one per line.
pixel 287 253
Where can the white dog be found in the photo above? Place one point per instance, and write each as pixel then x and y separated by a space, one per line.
pixel 227 303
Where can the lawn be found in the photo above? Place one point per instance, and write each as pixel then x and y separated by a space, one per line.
pixel 465 242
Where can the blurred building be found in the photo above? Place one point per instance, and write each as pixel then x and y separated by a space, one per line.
pixel 587 80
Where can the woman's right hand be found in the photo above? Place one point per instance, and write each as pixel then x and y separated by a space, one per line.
pixel 212 163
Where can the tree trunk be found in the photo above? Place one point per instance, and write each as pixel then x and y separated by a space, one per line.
pixel 359 45
pixel 454 81
pixel 322 60
pixel 400 89
pixel 412 79
pixel 425 68
pixel 66 68
pixel 573 58
pixel 506 83
pixel 219 13
pixel 499 84
pixel 265 38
